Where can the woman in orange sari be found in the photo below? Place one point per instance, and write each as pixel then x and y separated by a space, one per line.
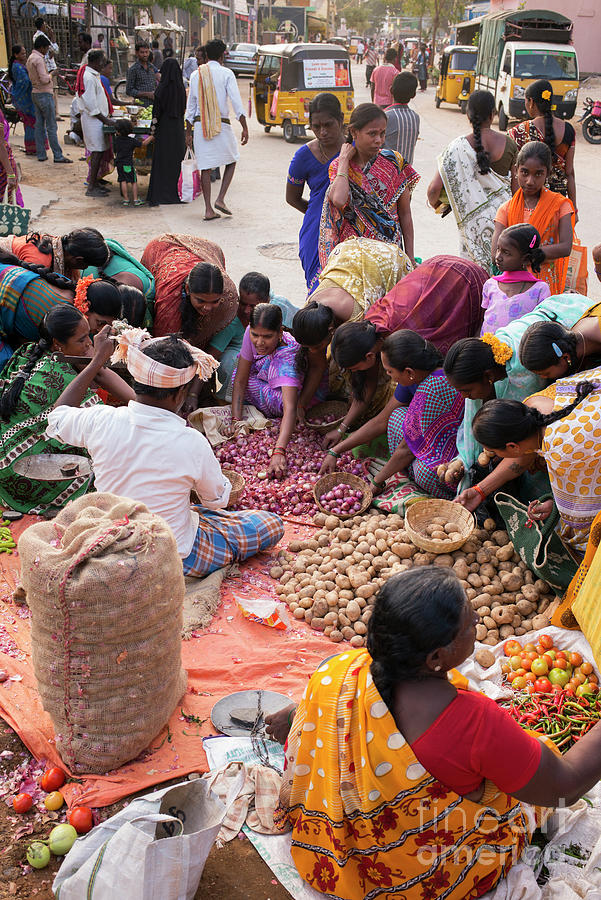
pixel 401 782
pixel 551 214
pixel 193 294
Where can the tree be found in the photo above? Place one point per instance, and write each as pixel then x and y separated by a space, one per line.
pixel 439 11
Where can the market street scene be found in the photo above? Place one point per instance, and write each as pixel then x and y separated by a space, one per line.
pixel 300 413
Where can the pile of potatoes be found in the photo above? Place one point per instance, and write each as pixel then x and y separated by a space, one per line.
pixel 441 530
pixel 330 581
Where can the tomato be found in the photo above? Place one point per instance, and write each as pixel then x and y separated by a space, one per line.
pixel 561 663
pixel 557 689
pixel 52 779
pixel 583 689
pixel 505 669
pixel 22 802
pixel 551 653
pixel 81 819
pixel 593 679
pixel 519 683
pixel 511 648
pixel 530 648
pixel 559 676
pixel 38 855
pixel 530 689
pixel 530 677
pixel 550 660
pixel 586 668
pixel 593 688
pixel 61 839
pixel 545 641
pixel 543 686
pixel 520 672
pixel 561 654
pixel 515 662
pixel 578 678
pixel 575 659
pixel 539 667
pixel 526 663
pixel 54 800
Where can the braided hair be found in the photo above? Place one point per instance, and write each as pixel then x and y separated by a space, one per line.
pixel 53 278
pixel 415 613
pixel 527 240
pixel 500 421
pixel 350 345
pixel 59 324
pixel 535 93
pixel 405 348
pixel 310 326
pixel 537 351
pixel 480 109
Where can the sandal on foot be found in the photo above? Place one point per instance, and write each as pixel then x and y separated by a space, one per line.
pixel 210 218
pixel 223 209
pixel 125 203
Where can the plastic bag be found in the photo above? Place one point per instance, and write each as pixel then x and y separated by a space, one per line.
pixel 189 186
pixel 263 612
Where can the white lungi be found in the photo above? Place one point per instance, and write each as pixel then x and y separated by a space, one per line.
pixel 223 148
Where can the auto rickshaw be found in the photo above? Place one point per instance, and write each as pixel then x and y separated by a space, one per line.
pixel 287 78
pixel 457 73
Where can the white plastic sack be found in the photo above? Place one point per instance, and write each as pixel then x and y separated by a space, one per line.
pixel 187 178
pixel 153 849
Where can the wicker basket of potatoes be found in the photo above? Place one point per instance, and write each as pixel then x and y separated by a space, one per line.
pixel 438 526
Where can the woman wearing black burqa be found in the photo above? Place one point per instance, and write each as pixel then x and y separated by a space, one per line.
pixel 169 134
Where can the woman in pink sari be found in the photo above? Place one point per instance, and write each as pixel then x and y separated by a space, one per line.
pixel 370 188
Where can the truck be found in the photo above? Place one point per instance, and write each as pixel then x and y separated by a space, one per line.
pixel 522 46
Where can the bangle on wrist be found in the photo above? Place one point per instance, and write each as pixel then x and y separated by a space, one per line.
pixel 343 429
pixel 291 715
pixel 479 490
pixel 279 450
pixel 342 175
pixel 334 454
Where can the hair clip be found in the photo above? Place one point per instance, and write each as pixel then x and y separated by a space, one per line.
pixel 558 352
pixel 533 241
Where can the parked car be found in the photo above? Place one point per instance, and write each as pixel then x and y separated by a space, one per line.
pixel 241 58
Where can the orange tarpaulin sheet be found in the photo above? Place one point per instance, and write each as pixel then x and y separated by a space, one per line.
pixel 232 655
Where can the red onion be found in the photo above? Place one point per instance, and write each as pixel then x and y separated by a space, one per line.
pixel 342 500
pixel 250 455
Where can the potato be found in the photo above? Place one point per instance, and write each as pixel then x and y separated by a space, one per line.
pixel 430 529
pixel 505 553
pixel 540 621
pixel 482 610
pixel 357 641
pixel 336 636
pixel 299 613
pixel 485 658
pixel 403 551
pixel 502 615
pixel 318 624
pixel 506 631
pixel 511 583
pixel 489 525
pixel 443 559
pixel 489 622
pixel 439 520
pixel 491 639
pixel 360 627
pixel 332 522
pixel 481 632
pixel 525 607
pixel 474 580
pixel 353 610
pixel 519 631
pixel 542 587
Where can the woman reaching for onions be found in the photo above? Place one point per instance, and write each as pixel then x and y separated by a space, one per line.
pixel 421 419
pixel 267 378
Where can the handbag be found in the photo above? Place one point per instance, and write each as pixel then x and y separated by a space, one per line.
pixel 189 186
pixel 153 849
pixel 13 219
pixel 537 542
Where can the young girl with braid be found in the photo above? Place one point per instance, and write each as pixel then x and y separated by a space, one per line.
pixel 550 213
pixel 558 135
pixel 29 386
pixel 473 173
pixel 562 425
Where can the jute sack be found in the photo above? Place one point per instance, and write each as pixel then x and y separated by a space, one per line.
pixel 105 587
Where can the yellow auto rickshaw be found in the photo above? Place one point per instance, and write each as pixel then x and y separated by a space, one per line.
pixel 288 76
pixel 457 73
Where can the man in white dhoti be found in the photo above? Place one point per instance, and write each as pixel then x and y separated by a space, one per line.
pixel 94 108
pixel 208 129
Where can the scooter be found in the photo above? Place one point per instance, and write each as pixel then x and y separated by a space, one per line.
pixel 591 121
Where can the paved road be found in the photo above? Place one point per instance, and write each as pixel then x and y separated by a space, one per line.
pixel 261 215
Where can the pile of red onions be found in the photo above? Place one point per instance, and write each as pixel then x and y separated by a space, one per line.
pixel 323 420
pixel 342 500
pixel 250 456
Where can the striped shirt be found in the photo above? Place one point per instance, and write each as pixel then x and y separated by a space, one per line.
pixel 402 130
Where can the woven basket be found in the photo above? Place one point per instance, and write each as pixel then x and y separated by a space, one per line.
pixel 327 482
pixel 337 408
pixel 238 483
pixel 421 514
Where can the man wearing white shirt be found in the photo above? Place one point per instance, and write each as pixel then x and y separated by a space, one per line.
pixel 94 107
pixel 222 149
pixel 146 452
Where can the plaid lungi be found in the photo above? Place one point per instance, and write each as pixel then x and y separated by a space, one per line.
pixel 225 537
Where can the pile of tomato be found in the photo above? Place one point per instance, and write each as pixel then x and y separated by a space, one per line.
pixel 543 668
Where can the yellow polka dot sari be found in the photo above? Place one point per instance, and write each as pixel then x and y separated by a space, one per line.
pixel 367 820
pixel 571 450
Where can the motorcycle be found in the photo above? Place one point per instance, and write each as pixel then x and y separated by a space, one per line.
pixel 591 121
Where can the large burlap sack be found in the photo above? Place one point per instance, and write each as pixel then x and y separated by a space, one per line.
pixel 105 587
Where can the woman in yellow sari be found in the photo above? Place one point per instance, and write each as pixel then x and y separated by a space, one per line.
pixel 399 782
pixel 359 271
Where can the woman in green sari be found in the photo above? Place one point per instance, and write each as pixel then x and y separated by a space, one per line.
pixel 33 380
pixel 124 268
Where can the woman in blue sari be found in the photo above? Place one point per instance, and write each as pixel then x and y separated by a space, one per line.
pixel 310 166
pixel 21 94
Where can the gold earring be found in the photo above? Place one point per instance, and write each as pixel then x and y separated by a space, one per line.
pixel 437 668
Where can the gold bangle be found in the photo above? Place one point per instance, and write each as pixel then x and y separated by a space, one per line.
pixel 341 175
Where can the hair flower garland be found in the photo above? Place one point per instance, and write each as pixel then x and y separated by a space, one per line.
pixel 501 352
pixel 546 95
pixel 81 293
